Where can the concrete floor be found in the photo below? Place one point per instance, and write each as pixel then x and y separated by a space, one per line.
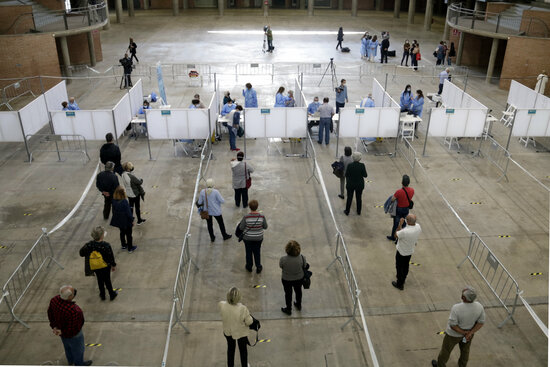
pixel 403 325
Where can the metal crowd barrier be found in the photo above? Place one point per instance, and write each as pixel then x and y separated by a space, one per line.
pixel 498 279
pixel 409 153
pixel 342 256
pixel 496 154
pixel 19 282
pixel 254 69
pixel 186 262
pixel 64 143
pixel 16 90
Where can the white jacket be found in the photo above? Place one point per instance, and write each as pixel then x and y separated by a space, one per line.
pixel 236 319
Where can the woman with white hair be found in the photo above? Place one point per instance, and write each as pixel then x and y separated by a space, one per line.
pixel 211 200
pixel 236 321
pixel 356 173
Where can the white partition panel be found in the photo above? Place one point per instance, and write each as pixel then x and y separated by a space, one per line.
pixel 275 123
pixel 10 128
pixel 456 124
pixel 296 122
pixel 197 124
pixel 542 102
pixel 255 123
pixel 348 124
pixel 521 122
pixel 213 110
pixel 532 124
pixel 368 122
pixel 92 125
pixel 123 114
pixel 167 126
pixel 136 97
pixel 389 123
pixel 56 95
pixel 438 122
pixel 377 93
pixel 34 116
pixel 475 123
pixel 298 93
pixel 521 96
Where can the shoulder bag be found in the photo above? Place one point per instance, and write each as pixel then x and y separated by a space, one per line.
pixel 204 211
pixel 256 327
pixel 411 203
pixel 240 233
pixel 247 176
pixel 306 281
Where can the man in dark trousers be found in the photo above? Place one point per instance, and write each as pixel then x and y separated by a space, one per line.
pixel 106 183
pixel 110 152
pixel 132 47
pixel 356 172
pixel 384 48
pixel 126 63
pixel 66 321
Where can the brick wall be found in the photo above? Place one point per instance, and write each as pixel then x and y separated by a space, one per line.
pixel 9 14
pixel 78 49
pixel 52 4
pixel 477 49
pixel 22 60
pixel 497 7
pixel 535 27
pixel 525 58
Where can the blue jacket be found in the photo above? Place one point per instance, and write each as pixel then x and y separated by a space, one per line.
pixel 122 214
pixel 280 100
pixel 142 110
pixel 367 102
pixel 227 108
pixel 390 207
pixel 417 105
pixel 73 106
pixel 215 201
pixel 406 100
pixel 313 107
pixel 250 99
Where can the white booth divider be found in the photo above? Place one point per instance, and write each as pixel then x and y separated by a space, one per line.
pixel 56 95
pixel 177 124
pixel 531 123
pixel 34 116
pixel 521 96
pixel 214 110
pixel 10 127
pixel 136 98
pixel 123 114
pixel 276 122
pixel 91 124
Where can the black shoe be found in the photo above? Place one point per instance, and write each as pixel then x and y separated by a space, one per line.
pixel 259 270
pixel 320 142
pixel 390 238
pixel 346 212
pixel 113 296
pixel 139 222
pixel 358 213
pixel 288 311
pixel 341 197
pixel 434 363
pixel 102 297
pixel 212 239
pixel 298 307
pixel 394 283
pixel 249 269
pixel 132 249
pixel 123 247
pixel 226 237
pixel 88 363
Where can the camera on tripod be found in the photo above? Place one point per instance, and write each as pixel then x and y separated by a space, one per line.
pixel 265 28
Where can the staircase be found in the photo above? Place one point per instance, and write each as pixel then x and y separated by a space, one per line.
pixel 41 14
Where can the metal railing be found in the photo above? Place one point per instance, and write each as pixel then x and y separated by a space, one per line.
pixel 254 69
pixel 16 90
pixel 186 263
pixel 498 279
pixel 494 22
pixel 496 154
pixel 409 153
pixel 21 279
pixel 64 143
pixel 342 256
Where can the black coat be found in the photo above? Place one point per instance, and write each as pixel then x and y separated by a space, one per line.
pixel 104 248
pixel 106 181
pixel 110 152
pixel 122 214
pixel 385 44
pixel 340 36
pixel 355 175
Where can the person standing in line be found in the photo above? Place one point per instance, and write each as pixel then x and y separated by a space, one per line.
pixel 228 107
pixel 368 102
pixel 384 48
pixel 451 53
pixel 250 98
pixel 542 79
pixel 66 320
pixel 236 320
pixel 290 101
pixel 346 159
pixel 415 56
pixel 341 95
pixel 465 319
pixel 326 112
pixel 106 183
pixel 356 172
pixel 73 106
pixel 235 117
pixel 103 274
pixel 367 45
pixel 269 34
pixel 442 76
pixel 134 189
pixel 440 53
pixel 406 48
pixel 292 266
pixel 110 152
pixel 363 49
pixel 403 197
pixel 240 171
pixel 253 225
pixel 132 47
pixel 211 200
pixel 373 47
pixel 340 38
pixel 123 219
pixel 406 99
pixel 406 242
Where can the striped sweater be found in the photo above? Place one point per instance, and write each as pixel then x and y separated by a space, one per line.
pixel 253 225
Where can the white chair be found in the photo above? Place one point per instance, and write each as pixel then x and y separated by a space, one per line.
pixel 508 115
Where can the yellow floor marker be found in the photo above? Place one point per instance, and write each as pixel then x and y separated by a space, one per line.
pixel 93 345
pixel 51 188
pixel 379 206
pixel 264 341
pixel 440 333
pixel 415 264
pixel 476 202
pixel 259 286
pixel 27 214
pixel 535 274
pixel 504 236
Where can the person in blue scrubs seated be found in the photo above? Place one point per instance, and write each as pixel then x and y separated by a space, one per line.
pixel 65 106
pixel 313 106
pixel 406 99
pixel 280 98
pixel 250 98
pixel 228 107
pixel 290 101
pixel 73 106
pixel 368 102
pixel 195 103
pixel 145 106
pixel 417 104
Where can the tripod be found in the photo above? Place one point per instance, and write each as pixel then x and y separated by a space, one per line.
pixel 265 43
pixel 332 72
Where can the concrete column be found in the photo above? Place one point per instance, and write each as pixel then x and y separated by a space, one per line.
pixel 108 25
pixel 131 11
pixel 379 5
pixel 310 4
pixel 446 29
pixel 396 8
pixel 185 4
pixel 175 7
pixel 302 4
pixel 340 4
pixel 266 8
pixel 492 59
pixel 145 4
pixel 353 8
pixel 118 8
pixel 428 15
pixel 460 48
pixel 65 55
pixel 221 6
pixel 91 48
pixel 412 6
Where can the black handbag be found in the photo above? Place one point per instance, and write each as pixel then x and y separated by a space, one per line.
pixel 306 280
pixel 411 203
pixel 256 327
pixel 240 233
pixel 338 169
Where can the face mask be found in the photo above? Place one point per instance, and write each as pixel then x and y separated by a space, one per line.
pixel 408 89
pixel 104 234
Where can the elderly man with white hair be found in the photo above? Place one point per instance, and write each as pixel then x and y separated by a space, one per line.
pixel 442 76
pixel 356 172
pixel 465 320
pixel 66 321
pixel 407 238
